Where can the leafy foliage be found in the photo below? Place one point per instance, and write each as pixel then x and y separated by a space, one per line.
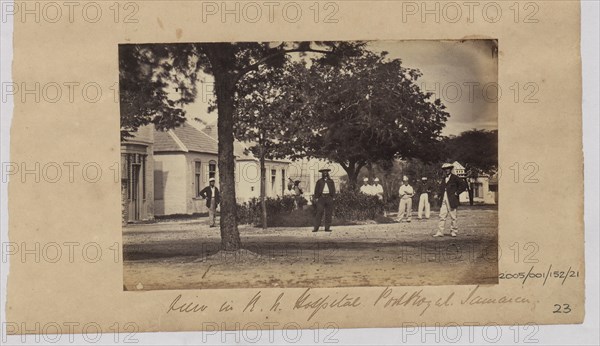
pixel 364 109
pixel 477 150
pixel 352 205
pixel 149 76
pixel 348 206
pixel 250 211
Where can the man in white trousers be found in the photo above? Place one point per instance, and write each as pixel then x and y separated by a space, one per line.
pixel 423 191
pixel 406 193
pixel 450 188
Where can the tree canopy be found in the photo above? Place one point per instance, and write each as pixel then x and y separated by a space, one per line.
pixel 365 109
pixel 476 150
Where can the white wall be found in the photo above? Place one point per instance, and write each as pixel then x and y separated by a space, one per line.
pixel 248 179
pixel 195 204
pixel 487 196
pixel 169 184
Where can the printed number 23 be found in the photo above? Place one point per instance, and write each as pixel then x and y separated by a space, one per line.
pixel 561 309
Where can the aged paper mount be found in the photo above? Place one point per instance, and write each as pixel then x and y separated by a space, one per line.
pixel 540 262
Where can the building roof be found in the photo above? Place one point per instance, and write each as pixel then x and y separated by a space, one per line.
pixel 143 136
pixel 185 138
pixel 457 165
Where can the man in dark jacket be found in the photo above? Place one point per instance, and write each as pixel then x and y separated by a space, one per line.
pixel 450 188
pixel 423 191
pixel 323 198
pixel 213 198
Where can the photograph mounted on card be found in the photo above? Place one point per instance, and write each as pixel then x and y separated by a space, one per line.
pixel 383 169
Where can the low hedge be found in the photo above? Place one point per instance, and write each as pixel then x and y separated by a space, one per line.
pixel 349 206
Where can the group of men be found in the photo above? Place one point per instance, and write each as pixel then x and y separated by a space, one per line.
pixel 407 192
pixel 449 190
pixel 372 189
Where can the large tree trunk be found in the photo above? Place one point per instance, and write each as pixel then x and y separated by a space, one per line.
pixel 263 188
pixel 371 173
pixel 230 236
pixel 352 170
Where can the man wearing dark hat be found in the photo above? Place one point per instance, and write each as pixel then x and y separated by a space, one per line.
pixel 323 197
pixel 213 198
pixel 423 191
pixel 450 188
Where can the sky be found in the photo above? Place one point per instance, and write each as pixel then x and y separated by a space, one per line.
pixel 463 74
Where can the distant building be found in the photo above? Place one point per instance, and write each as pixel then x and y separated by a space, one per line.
pixel 248 176
pixel 248 171
pixel 494 187
pixel 480 185
pixel 137 166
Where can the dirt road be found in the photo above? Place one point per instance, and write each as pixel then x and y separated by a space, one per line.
pixel 185 255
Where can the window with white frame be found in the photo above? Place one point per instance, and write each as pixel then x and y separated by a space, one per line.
pixel 198 177
pixel 273 180
pixel 212 169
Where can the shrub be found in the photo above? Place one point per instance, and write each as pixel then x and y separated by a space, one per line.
pixel 348 206
pixel 351 205
pixel 392 203
pixel 302 201
pixel 279 205
pixel 250 212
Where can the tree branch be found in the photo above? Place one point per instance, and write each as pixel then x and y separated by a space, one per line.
pixel 344 166
pixel 274 55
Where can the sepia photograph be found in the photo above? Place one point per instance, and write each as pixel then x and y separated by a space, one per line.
pixel 309 164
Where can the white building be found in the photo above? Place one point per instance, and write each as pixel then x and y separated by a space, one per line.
pixel 184 159
pixel 248 175
pixel 480 186
pixel 247 171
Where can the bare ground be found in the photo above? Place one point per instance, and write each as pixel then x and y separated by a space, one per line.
pixel 185 255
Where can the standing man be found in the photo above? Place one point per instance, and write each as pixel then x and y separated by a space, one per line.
pixel 213 198
pixel 450 188
pixel 423 191
pixel 406 193
pixel 289 191
pixel 323 197
pixel 365 188
pixel 378 189
pixel 298 195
